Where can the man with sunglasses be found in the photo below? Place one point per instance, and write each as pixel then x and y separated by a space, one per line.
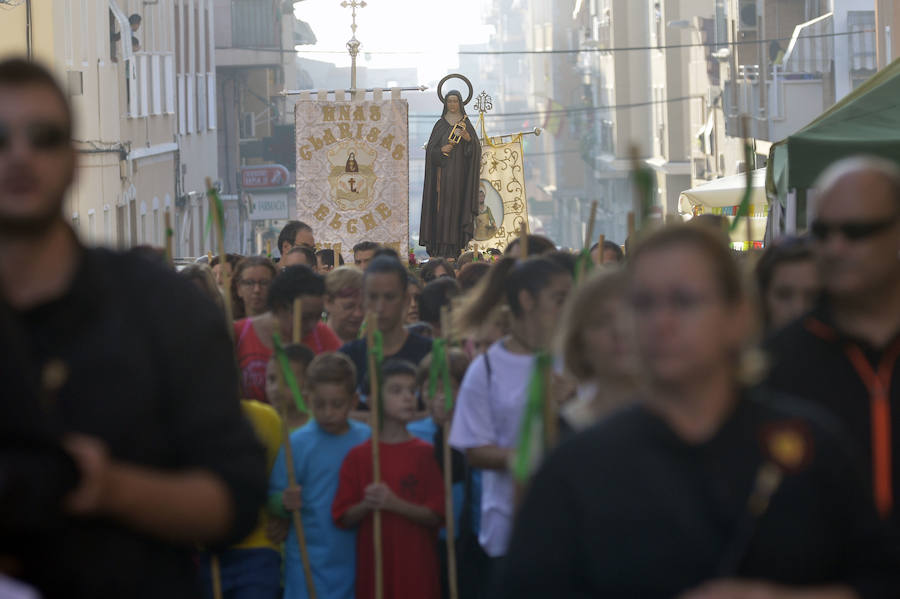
pixel 120 450
pixel 845 354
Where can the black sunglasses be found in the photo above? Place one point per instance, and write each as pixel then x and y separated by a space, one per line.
pixel 40 135
pixel 853 231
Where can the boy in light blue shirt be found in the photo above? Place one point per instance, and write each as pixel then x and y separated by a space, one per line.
pixel 319 449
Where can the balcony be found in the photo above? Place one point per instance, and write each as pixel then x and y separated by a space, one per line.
pixel 782 98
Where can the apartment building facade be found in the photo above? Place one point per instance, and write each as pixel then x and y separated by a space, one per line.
pixel 127 82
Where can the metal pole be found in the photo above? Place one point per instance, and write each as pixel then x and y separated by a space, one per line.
pixel 29 42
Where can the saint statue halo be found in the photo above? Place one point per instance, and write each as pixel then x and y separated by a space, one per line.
pixel 462 78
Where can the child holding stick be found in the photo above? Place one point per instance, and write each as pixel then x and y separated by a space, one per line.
pixel 252 568
pixel 466 480
pixel 319 448
pixel 410 497
pixel 299 357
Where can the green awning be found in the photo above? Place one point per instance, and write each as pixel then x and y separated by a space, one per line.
pixel 866 121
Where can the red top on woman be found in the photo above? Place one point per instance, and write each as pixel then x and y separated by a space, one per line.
pixel 253 354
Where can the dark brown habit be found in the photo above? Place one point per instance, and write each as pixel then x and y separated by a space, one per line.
pixel 450 196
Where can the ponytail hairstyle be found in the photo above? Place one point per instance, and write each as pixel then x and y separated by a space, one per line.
pixel 501 286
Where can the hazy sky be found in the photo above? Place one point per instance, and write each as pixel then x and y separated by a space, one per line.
pixel 396 25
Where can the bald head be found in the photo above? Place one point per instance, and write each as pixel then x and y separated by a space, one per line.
pixel 868 170
pixel 857 227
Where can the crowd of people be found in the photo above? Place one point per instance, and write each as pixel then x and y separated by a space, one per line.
pixel 725 422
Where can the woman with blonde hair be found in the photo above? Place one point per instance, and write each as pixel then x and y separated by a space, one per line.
pixel 596 343
pixel 343 302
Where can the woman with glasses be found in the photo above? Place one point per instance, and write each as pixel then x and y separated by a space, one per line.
pixel 704 488
pixel 250 286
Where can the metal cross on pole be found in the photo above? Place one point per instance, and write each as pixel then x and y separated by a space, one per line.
pixel 353 44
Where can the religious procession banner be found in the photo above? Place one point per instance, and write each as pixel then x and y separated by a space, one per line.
pixel 353 171
pixel 502 205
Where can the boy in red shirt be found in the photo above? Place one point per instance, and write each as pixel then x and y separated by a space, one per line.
pixel 410 498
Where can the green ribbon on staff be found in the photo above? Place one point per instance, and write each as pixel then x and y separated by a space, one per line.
pixel 289 377
pixel 583 264
pixel 644 179
pixel 170 233
pixel 220 209
pixel 744 207
pixel 532 419
pixel 439 369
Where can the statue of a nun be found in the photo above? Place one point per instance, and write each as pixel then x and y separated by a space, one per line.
pixel 452 172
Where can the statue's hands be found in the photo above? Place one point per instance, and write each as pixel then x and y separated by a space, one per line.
pixel 465 134
pixel 446 148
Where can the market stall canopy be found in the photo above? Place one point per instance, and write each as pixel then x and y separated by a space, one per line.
pixel 726 191
pixel 723 196
pixel 866 121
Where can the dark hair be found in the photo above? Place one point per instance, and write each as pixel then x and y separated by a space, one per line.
pixel 328 257
pixel 308 252
pixel 705 239
pixel 428 269
pixel 332 367
pixel 437 294
pixel 385 265
pixel 611 246
pixel 422 329
pixel 537 245
pixel 291 283
pixel 413 279
pixel 782 251
pixel 386 251
pixel 395 367
pixel 365 246
pixel 504 281
pixel 299 354
pixel 390 367
pixel 289 232
pixel 237 304
pixel 565 259
pixel 459 363
pixel 18 73
pixel 470 274
pixel 231 259
pixel 134 18
pixel 494 252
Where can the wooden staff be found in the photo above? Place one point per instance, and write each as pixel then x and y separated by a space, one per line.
pixel 292 482
pixel 450 516
pixel 590 231
pixel 374 406
pixel 220 228
pixel 637 199
pixel 214 210
pixel 523 241
pixel 170 255
pixel 631 226
pixel 600 241
pixel 551 421
pixel 216 577
pixel 582 266
pixel 748 171
pixel 298 320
